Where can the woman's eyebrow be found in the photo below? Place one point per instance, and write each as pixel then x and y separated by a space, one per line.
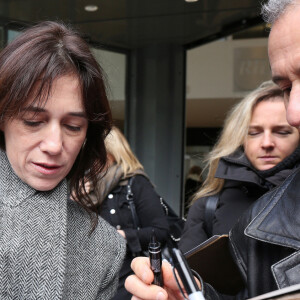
pixel 32 108
pixel 37 109
pixel 77 114
pixel 284 126
pixel 254 126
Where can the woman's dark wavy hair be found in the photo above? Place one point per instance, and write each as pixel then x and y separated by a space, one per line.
pixel 28 67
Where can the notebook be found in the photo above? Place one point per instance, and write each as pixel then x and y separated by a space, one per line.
pixel 289 293
pixel 213 262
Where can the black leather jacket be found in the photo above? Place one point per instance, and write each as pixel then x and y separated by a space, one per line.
pixel 265 243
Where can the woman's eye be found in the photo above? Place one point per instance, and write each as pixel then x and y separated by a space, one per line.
pixel 73 128
pixel 283 132
pixel 32 123
pixel 253 133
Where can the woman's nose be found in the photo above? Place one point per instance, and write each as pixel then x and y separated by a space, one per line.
pixel 52 140
pixel 268 141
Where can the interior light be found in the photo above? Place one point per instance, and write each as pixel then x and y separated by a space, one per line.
pixel 191 0
pixel 91 8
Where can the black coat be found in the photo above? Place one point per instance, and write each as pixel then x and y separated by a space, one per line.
pixel 265 242
pixel 116 211
pixel 243 186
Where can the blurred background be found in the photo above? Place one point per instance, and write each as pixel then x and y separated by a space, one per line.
pixel 174 68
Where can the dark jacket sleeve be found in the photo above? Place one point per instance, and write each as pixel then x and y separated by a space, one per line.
pixel 193 233
pixel 150 213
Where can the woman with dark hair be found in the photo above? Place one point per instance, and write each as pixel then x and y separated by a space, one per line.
pixel 52 106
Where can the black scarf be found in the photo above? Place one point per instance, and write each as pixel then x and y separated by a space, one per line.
pixel 281 171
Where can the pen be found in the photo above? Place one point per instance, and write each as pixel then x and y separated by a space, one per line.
pixel 155 259
pixel 180 264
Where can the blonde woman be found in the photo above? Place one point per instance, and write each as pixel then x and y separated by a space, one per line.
pixel 111 191
pixel 256 151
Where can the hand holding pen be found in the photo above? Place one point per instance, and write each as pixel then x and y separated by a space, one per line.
pixel 179 263
pixel 140 285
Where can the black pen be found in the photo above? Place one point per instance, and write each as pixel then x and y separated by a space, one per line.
pixel 180 264
pixel 155 259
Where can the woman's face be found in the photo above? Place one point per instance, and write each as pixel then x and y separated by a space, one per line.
pixel 270 138
pixel 43 143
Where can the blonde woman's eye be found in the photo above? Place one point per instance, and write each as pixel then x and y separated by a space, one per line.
pixel 284 132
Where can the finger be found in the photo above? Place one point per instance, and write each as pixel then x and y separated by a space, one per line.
pixel 141 268
pixel 174 289
pixel 168 275
pixel 170 282
pixel 144 291
pixel 135 298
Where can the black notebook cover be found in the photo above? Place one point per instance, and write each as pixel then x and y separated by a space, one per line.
pixel 213 262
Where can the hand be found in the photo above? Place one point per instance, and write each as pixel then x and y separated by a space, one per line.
pixel 140 284
pixel 122 233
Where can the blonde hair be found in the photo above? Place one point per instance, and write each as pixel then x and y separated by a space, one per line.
pixel 233 135
pixel 117 146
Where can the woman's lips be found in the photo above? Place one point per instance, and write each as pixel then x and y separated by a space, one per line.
pixel 268 158
pixel 47 169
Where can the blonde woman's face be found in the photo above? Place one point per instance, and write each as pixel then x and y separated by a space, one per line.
pixel 270 138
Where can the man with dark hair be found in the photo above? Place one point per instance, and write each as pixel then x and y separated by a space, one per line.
pixel 265 243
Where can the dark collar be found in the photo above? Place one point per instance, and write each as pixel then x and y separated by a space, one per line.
pixel 237 167
pixel 276 215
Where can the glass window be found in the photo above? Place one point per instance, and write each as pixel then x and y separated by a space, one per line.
pixel 114 65
pixel 11 34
